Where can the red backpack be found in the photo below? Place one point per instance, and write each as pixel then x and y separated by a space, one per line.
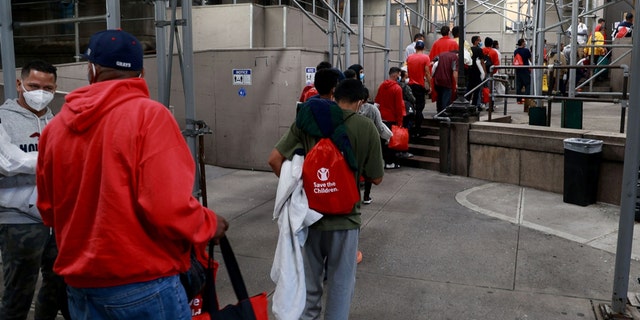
pixel 517 60
pixel 328 182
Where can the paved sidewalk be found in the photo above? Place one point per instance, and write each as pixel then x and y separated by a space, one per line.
pixel 446 247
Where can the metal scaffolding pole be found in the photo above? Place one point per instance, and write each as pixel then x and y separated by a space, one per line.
pixel 573 60
pixel 629 190
pixel 161 49
pixel 539 48
pixel 361 32
pixel 189 89
pixel 113 14
pixel 347 38
pixel 331 31
pixel 403 16
pixel 8 51
pixel 386 39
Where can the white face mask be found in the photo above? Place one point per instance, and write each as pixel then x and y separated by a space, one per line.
pixel 37 99
pixel 406 80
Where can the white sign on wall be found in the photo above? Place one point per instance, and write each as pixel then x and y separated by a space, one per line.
pixel 241 77
pixel 310 75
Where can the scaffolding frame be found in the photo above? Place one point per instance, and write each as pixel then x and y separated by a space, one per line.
pixel 537 28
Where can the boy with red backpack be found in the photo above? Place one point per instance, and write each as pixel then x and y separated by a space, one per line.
pixel 333 238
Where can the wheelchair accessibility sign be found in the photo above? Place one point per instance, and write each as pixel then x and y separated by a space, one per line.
pixel 241 77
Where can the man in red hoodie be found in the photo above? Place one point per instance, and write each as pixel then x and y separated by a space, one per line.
pixel 115 180
pixel 392 110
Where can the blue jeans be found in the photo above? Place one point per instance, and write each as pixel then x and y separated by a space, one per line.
pixel 444 97
pixel 162 298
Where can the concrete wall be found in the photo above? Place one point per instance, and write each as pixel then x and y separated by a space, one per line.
pixel 617 75
pixel 530 156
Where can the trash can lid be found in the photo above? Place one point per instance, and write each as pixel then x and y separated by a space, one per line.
pixel 583 145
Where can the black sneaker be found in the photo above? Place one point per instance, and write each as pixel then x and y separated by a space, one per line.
pixel 367 200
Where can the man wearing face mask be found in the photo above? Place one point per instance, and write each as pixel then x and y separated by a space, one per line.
pixel 359 70
pixel 115 179
pixel 27 245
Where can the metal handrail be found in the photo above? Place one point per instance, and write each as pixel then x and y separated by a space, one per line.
pixel 553 98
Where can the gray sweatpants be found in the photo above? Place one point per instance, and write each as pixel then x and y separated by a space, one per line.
pixel 339 249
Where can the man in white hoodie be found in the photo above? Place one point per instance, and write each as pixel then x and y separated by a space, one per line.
pixel 27 245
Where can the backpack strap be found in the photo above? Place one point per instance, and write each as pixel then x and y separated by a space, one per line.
pixel 325 119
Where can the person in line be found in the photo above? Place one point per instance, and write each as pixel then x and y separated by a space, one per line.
pixel 356 72
pixel 372 112
pixel 28 246
pixel 496 47
pixel 492 55
pixel 411 48
pixel 115 180
pixel 582 33
pixel 595 47
pixel 443 44
pixel 602 27
pixel 455 33
pixel 477 72
pixel 624 28
pixel 444 76
pixel 523 75
pixel 359 70
pixel 409 105
pixel 419 72
pixel 350 74
pixel 309 90
pixel 392 110
pixel 334 238
pixel 565 58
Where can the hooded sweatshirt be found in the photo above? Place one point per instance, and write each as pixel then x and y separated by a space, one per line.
pixel 17 192
pixel 391 102
pixel 115 180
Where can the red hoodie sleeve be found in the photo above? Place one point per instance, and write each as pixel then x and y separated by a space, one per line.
pixel 165 183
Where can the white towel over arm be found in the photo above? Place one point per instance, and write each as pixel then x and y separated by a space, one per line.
pixel 294 217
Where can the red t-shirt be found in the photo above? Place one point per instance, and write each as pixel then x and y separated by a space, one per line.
pixel 417 66
pixel 441 45
pixel 493 55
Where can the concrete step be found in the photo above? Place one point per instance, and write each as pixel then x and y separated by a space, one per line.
pixel 424 150
pixel 422 162
pixel 428 140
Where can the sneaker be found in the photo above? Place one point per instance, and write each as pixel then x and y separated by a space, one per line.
pixel 358 257
pixel 367 200
pixel 407 155
pixel 391 166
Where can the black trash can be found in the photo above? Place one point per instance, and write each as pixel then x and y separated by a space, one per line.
pixel 571 116
pixel 582 159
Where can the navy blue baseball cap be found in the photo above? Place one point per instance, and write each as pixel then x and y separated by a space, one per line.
pixel 115 49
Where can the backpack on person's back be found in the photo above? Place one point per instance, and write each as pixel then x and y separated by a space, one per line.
pixel 328 176
pixel 328 181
